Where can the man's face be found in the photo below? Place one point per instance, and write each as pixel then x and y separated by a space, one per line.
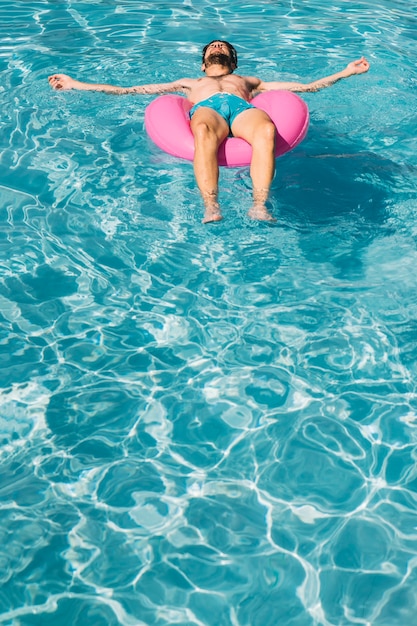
pixel 217 46
pixel 218 54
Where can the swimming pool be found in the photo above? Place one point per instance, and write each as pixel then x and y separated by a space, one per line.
pixel 207 425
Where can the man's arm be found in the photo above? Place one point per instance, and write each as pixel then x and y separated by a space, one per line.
pixel 355 67
pixel 62 82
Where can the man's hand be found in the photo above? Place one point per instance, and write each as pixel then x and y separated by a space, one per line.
pixel 358 67
pixel 62 81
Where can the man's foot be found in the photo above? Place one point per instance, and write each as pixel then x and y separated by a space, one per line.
pixel 260 212
pixel 212 214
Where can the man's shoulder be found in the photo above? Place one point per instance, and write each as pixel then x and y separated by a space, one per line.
pixel 188 82
pixel 251 79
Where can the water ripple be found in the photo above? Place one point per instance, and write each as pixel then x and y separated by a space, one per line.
pixel 207 426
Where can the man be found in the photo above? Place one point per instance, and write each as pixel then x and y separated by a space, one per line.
pixel 222 106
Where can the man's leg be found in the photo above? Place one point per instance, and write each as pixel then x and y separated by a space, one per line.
pixel 209 130
pixel 257 128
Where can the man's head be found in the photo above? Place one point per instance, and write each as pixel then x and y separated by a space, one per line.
pixel 219 52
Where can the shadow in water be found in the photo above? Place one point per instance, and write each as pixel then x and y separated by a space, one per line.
pixel 336 193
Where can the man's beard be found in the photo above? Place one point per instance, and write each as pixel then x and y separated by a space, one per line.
pixel 218 58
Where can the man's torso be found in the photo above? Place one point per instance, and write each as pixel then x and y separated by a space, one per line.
pixel 202 88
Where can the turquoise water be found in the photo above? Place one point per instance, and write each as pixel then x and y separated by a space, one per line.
pixel 207 426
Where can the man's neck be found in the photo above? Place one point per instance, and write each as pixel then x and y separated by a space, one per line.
pixel 217 71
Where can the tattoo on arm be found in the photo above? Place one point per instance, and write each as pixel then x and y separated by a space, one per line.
pixel 157 88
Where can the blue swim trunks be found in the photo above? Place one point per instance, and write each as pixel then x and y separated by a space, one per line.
pixel 225 104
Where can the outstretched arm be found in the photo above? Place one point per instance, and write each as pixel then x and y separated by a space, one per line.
pixel 62 82
pixel 355 67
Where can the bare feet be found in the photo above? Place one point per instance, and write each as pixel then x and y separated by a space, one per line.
pixel 212 214
pixel 260 212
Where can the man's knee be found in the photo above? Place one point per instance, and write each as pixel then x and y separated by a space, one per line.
pixel 267 132
pixel 204 132
pixel 257 129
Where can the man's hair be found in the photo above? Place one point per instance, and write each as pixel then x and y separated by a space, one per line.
pixel 233 53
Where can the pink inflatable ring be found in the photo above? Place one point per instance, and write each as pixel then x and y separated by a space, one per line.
pixel 167 123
